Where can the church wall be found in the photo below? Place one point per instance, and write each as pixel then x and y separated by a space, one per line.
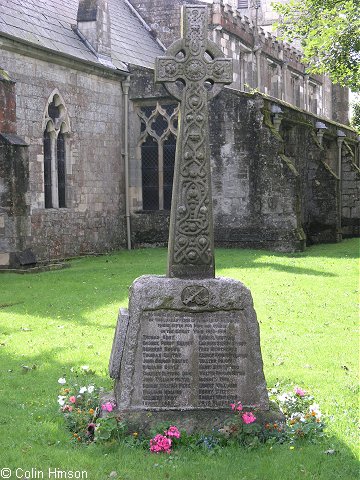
pixel 275 185
pixel 93 217
pixel 261 62
pixel 255 187
pixel 350 188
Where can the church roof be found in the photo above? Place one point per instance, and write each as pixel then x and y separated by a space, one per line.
pixel 47 23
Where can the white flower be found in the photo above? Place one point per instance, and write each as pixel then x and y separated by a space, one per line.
pixel 82 390
pixel 85 368
pixel 62 381
pixel 90 388
pixel 283 398
pixel 61 400
pixel 315 408
pixel 298 416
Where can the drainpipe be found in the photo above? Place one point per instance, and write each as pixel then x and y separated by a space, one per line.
pixel 340 140
pixel 125 87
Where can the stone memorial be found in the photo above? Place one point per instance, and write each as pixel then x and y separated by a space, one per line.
pixel 189 344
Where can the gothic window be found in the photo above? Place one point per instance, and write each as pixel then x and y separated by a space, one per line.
pixel 273 75
pixel 157 146
pixel 47 169
pixel 150 174
pixel 313 98
pixel 295 90
pixel 55 141
pixel 60 157
pixel 243 4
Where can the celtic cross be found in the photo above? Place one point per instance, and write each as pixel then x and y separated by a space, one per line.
pixel 193 71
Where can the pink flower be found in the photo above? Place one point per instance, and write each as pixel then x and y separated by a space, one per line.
pixel 248 417
pixel 72 399
pixel 108 406
pixel 160 444
pixel 67 408
pixel 172 432
pixel 236 406
pixel 299 391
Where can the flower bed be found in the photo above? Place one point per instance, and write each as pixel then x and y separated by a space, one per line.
pixel 90 420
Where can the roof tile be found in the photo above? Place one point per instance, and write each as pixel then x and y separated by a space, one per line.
pixel 46 23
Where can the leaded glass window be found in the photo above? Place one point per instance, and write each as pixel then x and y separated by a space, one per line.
pixel 157 145
pixel 60 157
pixel 47 170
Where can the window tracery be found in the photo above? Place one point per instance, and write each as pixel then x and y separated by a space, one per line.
pixel 56 128
pixel 157 142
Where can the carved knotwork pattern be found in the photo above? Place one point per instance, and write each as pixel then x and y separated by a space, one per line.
pixel 200 66
pixel 192 240
pixel 196 31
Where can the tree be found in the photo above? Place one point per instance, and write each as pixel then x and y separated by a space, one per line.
pixel 329 32
pixel 355 119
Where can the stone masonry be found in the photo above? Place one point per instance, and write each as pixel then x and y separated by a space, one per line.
pixel 275 184
pixel 93 220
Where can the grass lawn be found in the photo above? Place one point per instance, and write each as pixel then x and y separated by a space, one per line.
pixel 50 322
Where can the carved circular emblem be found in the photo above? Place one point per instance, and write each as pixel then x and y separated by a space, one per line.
pixel 195 70
pixel 195 296
pixel 219 69
pixel 170 68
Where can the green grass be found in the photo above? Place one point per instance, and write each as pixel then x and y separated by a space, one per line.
pixel 307 308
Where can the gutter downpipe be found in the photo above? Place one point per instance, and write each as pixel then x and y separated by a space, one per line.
pixel 125 87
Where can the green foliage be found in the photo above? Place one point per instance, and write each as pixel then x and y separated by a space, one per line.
pixel 355 120
pixel 329 32
pixel 109 428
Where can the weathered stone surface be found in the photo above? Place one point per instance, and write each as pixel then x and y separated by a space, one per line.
pixel 193 71
pixel 27 257
pixel 119 343
pixel 271 189
pixel 191 345
pixel 93 220
pixel 204 421
pixel 4 260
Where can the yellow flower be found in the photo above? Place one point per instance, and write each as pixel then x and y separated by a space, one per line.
pixel 135 434
pixel 91 411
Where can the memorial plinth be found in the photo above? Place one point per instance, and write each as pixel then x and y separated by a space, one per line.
pixel 187 350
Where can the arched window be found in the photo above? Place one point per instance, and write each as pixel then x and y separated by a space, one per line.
pixel 47 169
pixel 55 141
pixel 169 163
pixel 157 146
pixel 150 173
pixel 60 158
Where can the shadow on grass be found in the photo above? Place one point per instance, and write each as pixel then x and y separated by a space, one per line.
pixel 39 438
pixel 101 283
pixel 90 285
pixel 278 267
pixel 227 258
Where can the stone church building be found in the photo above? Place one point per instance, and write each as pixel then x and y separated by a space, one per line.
pixel 87 140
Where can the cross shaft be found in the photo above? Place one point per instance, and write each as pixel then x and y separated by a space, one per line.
pixel 193 71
